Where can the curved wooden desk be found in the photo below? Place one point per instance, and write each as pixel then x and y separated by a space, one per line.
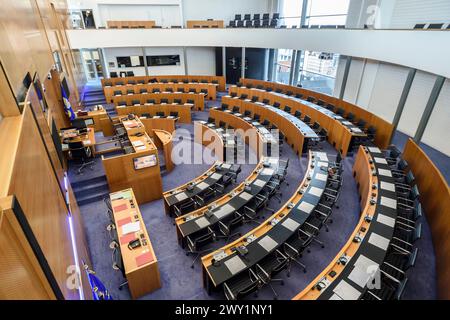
pixel 124 90
pixel 163 140
pixel 293 129
pixel 250 130
pixel 277 229
pixel 195 186
pixel 219 81
pixel 121 172
pixel 197 100
pixel 435 198
pixel 208 216
pixel 166 124
pixel 384 128
pixel 340 132
pixel 184 110
pixel 366 248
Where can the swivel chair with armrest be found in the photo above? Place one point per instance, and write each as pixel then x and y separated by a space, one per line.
pixel 79 152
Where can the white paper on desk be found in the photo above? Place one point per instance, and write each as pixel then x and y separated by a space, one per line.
pixel 86 142
pixel 131 227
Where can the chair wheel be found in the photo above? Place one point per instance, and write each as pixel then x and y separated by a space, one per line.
pixel 187 254
pixel 308 250
pixel 192 267
pixel 282 283
pixel 275 298
pixel 304 270
pixel 120 288
pixel 322 246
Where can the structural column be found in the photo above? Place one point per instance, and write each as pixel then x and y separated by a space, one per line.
pixel 434 95
pixel 243 63
pixel 293 62
pixel 348 62
pixel 224 63
pixel 145 61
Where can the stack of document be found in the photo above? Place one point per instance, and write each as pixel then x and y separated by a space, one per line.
pixel 131 227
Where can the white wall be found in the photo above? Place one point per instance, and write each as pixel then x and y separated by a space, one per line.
pixel 416 102
pixel 110 55
pixel 354 80
pixel 165 12
pixel 406 13
pixel 222 9
pixel 201 61
pixel 163 70
pixel 437 132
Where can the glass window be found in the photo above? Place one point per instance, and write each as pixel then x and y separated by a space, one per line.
pixel 283 65
pixel 325 12
pixel 318 71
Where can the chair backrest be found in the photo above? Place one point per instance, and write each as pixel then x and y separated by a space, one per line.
pixel 240 23
pixel 276 15
pixel 224 106
pixel 266 16
pixel 248 23
pixel 77 150
pixel 164 100
pixel 117 262
pixel 237 17
pixel 147 115
pixel 143 90
pixel 297 114
pixel 276 104
pixel 211 120
pixel 235 109
pixel 150 100
pixel 160 113
pixel 174 113
pixel 247 16
pixel 306 118
pixel 287 109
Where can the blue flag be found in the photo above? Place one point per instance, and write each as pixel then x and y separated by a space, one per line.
pixel 67 107
pixel 99 291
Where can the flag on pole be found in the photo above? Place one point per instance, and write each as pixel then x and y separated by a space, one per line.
pixel 99 291
pixel 67 107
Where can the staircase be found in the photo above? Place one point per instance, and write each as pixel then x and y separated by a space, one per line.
pixel 90 190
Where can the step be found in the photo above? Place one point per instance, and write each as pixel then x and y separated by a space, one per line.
pixel 91 199
pixel 89 189
pixel 82 183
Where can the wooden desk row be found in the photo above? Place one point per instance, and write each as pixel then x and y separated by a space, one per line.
pixel 96 115
pixel 195 186
pixel 184 110
pixel 197 221
pixel 197 100
pixel 163 141
pixel 339 135
pixel 264 145
pixel 219 80
pixel 146 24
pixel 121 90
pixel 383 127
pixel 140 264
pixel 270 234
pixel 73 135
pixel 296 134
pixel 221 143
pixel 347 276
pixel 138 170
pixel 204 24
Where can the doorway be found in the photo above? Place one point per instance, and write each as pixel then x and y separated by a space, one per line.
pixel 93 64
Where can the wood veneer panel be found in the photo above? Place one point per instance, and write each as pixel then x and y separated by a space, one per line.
pixel 435 199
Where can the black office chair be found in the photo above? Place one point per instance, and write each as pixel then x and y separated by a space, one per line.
pixel 81 154
pixel 168 89
pixel 211 120
pixel 248 23
pixel 146 115
pixel 117 92
pixel 195 243
pixel 222 124
pixel 330 107
pixel 224 106
pixel 254 98
pixel 287 109
pixel 180 89
pixel 117 264
pixel 235 109
pixel 340 112
pixel 269 267
pixel 240 24
pixel 243 96
pixel 390 289
pixel 113 74
pixel 266 123
pixel 298 114
pixel 241 285
pixel 177 101
pixel 225 228
pixel 250 211
pixel 299 96
pixel 156 90
pixel 205 197
pixel 135 102
pixel 247 113
pixel 257 24
pixel 350 117
pixel 237 17
pixel 361 124
pixel 164 100
pixel 266 101
pixel 307 120
pixel 143 90
pixel 371 132
pixel 174 114
pixel 184 207
pixel 276 105
pixel 256 117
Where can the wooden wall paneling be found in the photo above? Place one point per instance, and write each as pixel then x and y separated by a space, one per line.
pixel 44 128
pixel 164 141
pixel 10 128
pixel 34 184
pixel 8 104
pixel 27 281
pixel 435 199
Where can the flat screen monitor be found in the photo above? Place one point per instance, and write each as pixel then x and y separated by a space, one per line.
pixel 145 162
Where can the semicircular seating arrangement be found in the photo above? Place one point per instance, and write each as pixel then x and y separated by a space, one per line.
pixel 199 158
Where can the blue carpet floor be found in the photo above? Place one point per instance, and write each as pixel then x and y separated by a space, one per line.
pixel 179 281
